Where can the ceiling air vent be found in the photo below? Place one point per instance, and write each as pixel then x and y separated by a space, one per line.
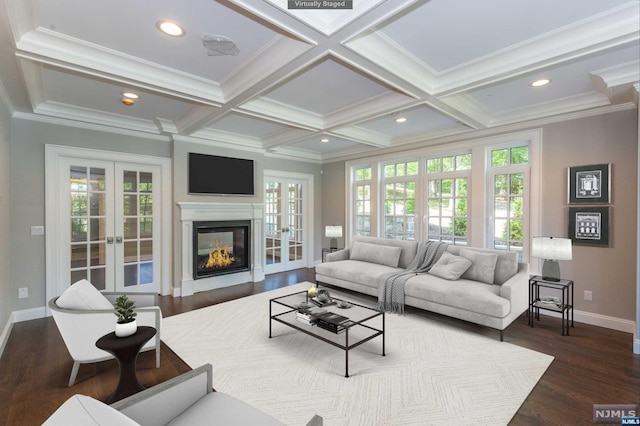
pixel 218 45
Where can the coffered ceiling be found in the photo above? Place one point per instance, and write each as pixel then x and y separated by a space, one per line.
pixel 447 66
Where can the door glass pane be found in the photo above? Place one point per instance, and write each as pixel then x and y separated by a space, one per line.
pixel 77 178
pixel 130 275
pixel 98 278
pixel 130 181
pixel 146 227
pixel 78 255
pixel 97 204
pixel 146 182
pixel 98 254
pixel 78 230
pixel 78 275
pixel 130 251
pixel 78 204
pixel 146 250
pixel 130 228
pixel 146 273
pixel 130 204
pixel 98 229
pixel 146 205
pixel 97 179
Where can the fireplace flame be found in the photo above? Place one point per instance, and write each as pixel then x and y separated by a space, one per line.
pixel 219 257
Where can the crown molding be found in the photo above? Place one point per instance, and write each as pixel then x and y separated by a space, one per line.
pixel 60 110
pixel 50 47
pixel 46 119
pixel 228 138
pixel 628 73
pixel 217 143
pixel 557 107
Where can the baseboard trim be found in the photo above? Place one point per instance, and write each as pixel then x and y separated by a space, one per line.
pixel 29 314
pixel 19 316
pixel 605 321
pixel 4 337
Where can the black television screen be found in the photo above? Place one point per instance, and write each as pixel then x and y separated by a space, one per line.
pixel 211 174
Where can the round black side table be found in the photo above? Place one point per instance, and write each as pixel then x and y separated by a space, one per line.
pixel 126 350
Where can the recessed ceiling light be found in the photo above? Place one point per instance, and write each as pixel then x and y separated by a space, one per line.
pixel 401 119
pixel 127 101
pixel 170 28
pixel 324 140
pixel 541 82
pixel 130 95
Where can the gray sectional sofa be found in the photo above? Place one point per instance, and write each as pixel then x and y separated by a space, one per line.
pixel 493 296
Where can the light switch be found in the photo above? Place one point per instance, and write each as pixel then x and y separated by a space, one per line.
pixel 37 230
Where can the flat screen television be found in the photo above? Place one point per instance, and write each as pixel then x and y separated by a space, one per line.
pixel 215 175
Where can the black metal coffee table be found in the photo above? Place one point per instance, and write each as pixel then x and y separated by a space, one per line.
pixel 356 333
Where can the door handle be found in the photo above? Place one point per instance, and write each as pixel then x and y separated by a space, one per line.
pixel 285 229
pixel 119 240
pixel 109 240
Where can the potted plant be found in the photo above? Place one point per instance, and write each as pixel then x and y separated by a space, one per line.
pixel 124 310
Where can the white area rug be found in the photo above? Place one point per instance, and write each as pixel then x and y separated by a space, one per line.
pixel 432 373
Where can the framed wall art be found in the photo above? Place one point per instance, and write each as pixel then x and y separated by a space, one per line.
pixel 589 225
pixel 589 184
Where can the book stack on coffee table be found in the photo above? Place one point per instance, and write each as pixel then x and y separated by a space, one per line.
pixel 309 316
pixel 333 322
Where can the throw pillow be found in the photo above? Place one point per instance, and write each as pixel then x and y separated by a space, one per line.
pixel 376 253
pixel 483 265
pixel 82 295
pixel 450 267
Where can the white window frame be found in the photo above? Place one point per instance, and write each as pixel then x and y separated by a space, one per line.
pixel 477 184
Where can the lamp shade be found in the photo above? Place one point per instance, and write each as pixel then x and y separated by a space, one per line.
pixel 551 248
pixel 333 231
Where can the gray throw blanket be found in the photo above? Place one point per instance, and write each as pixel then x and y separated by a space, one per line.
pixel 391 284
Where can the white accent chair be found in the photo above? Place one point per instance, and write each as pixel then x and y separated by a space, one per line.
pixel 81 328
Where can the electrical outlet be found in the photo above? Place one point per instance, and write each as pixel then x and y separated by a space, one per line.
pixel 23 293
pixel 588 295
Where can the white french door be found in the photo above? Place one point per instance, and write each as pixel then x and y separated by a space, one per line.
pixel 287 223
pixel 112 220
pixel 105 221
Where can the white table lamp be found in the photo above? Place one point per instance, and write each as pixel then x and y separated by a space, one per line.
pixel 333 232
pixel 551 250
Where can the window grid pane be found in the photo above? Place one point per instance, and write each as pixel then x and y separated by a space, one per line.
pixel 447 210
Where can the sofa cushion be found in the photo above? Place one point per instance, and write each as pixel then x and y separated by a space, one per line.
pixel 409 248
pixel 356 271
pixel 450 267
pixel 217 408
pixel 82 295
pixel 506 265
pixel 376 253
pixel 472 296
pixel 84 410
pixel 483 265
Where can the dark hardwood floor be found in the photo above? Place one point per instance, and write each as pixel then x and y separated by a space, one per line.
pixel 592 366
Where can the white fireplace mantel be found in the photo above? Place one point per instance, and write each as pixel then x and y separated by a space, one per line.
pixel 197 211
